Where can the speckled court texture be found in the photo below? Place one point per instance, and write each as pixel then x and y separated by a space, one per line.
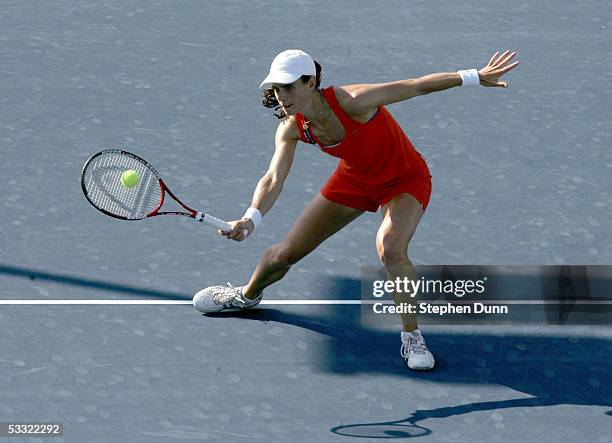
pixel 521 177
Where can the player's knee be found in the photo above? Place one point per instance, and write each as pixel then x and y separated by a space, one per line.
pixel 392 255
pixel 279 255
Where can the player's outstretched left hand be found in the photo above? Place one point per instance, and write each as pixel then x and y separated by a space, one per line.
pixel 498 66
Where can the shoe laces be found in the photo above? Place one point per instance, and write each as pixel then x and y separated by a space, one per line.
pixel 412 343
pixel 229 296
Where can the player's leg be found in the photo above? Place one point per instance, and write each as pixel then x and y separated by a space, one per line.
pixel 401 217
pixel 318 221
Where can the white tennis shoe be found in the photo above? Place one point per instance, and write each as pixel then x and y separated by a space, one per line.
pixel 415 353
pixel 223 298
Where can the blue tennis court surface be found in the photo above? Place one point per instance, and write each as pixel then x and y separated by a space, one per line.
pixel 521 176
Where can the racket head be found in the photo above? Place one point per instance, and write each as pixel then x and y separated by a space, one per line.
pixel 101 185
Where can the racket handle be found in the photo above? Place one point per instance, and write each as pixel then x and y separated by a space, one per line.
pixel 212 221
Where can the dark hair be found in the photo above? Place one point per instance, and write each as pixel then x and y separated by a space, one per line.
pixel 269 99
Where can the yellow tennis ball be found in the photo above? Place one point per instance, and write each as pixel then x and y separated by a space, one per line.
pixel 130 178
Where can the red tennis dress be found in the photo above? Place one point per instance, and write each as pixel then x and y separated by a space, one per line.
pixel 377 161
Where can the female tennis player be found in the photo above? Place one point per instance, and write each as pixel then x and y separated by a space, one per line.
pixel 378 167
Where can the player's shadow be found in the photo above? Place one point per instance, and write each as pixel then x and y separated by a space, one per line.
pixel 548 370
pixel 88 283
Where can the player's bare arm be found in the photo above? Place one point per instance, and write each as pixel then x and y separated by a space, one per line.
pixel 362 99
pixel 271 183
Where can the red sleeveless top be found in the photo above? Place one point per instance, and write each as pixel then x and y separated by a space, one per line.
pixel 372 154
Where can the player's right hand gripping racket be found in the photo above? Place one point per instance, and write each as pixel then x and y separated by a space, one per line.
pixel 102 184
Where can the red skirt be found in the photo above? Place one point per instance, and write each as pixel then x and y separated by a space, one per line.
pixel 349 193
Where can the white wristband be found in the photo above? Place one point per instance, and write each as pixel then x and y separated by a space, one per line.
pixel 254 215
pixel 470 77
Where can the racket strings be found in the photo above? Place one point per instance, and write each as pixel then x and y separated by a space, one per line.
pixel 102 182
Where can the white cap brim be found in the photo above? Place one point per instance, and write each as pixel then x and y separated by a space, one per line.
pixel 281 78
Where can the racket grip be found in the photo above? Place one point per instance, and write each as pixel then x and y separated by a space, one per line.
pixel 212 221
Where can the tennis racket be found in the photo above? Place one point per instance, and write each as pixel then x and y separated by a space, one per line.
pixel 102 185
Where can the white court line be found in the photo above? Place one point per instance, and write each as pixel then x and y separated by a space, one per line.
pixel 295 302
pixel 175 302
